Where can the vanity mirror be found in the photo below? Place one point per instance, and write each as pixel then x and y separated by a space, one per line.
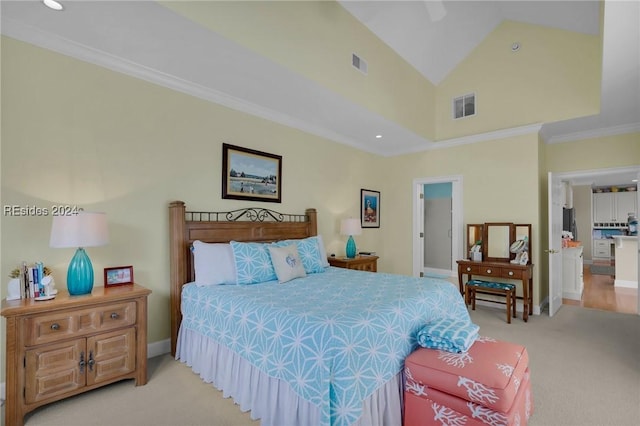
pixel 474 235
pixel 498 237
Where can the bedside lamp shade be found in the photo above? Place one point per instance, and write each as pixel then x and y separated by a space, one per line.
pixel 350 227
pixel 85 229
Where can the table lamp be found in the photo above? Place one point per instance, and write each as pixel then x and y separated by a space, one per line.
pixel 350 227
pixel 85 229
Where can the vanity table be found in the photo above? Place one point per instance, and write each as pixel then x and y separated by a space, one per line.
pixel 496 240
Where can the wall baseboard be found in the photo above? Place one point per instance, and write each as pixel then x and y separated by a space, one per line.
pixel 158 348
pixel 153 349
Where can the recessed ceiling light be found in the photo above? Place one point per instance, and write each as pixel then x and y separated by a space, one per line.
pixel 515 46
pixel 53 4
pixel 378 136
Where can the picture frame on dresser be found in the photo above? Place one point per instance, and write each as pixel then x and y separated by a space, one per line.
pixel 369 208
pixel 118 275
pixel 248 174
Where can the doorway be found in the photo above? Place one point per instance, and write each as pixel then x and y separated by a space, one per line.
pixel 595 286
pixel 437 225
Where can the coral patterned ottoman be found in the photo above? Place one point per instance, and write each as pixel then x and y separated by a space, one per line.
pixel 488 385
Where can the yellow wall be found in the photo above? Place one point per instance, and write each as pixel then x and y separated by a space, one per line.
pixel 77 134
pixel 316 39
pixel 595 153
pixel 108 142
pixel 499 185
pixel 554 76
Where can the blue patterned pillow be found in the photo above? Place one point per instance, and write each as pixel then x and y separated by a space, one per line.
pixel 309 251
pixel 253 262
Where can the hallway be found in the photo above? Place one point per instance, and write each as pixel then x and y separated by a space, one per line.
pixel 600 293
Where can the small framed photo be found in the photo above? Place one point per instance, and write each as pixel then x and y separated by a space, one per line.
pixel 253 175
pixel 370 208
pixel 119 275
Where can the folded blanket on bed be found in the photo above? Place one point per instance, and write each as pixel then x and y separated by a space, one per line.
pixel 448 334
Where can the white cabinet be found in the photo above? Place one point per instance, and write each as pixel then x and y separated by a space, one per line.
pixel 602 249
pixel 614 206
pixel 572 276
pixel 626 202
pixel 603 207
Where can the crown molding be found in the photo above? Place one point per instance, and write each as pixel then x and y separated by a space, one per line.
pixel 488 136
pixel 71 48
pixel 596 133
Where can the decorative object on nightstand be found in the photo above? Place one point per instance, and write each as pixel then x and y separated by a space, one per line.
pixel 350 227
pixel 85 229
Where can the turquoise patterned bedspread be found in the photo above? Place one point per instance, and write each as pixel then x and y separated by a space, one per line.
pixel 335 337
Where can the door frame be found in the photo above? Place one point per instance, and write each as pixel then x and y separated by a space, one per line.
pixel 599 172
pixel 417 189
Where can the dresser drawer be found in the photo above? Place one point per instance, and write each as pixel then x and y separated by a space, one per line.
pixel 489 271
pixel 50 327
pixel 511 273
pixel 470 269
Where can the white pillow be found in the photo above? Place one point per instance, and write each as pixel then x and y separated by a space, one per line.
pixel 213 263
pixel 287 263
pixel 323 251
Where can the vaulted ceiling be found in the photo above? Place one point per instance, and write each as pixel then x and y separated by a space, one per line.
pixel 149 41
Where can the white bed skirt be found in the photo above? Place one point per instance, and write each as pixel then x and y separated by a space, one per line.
pixel 272 400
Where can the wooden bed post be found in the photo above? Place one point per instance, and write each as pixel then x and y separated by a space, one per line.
pixel 178 261
pixel 312 214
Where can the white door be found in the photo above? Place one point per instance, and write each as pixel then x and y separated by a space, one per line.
pixel 437 226
pixel 419 225
pixel 555 243
pixel 638 210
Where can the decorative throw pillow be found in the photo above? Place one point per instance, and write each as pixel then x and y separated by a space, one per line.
pixel 323 251
pixel 213 263
pixel 252 262
pixel 286 261
pixel 310 254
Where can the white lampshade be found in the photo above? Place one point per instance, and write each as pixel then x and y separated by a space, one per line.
pixel 86 229
pixel 350 226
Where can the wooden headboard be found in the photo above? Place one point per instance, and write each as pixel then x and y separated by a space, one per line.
pixel 249 224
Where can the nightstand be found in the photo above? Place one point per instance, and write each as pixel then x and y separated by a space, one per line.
pixel 71 344
pixel 361 263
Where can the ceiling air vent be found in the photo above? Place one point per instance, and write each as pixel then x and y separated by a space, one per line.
pixel 359 63
pixel 464 106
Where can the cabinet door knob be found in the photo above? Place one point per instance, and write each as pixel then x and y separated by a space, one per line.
pixel 468 268
pixel 510 273
pixel 91 361
pixel 488 271
pixel 114 316
pixel 55 326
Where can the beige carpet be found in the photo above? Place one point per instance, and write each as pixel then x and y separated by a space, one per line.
pixel 585 370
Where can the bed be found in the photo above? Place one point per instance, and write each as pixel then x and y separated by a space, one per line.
pixel 327 348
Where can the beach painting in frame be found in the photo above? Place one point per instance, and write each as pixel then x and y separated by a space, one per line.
pixel 253 175
pixel 369 208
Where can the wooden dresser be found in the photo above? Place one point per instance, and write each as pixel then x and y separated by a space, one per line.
pixel 361 263
pixel 71 344
pixel 501 270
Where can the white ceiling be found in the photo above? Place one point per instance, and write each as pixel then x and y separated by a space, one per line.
pixel 148 41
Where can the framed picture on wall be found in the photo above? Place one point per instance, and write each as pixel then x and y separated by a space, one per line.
pixel 253 175
pixel 370 208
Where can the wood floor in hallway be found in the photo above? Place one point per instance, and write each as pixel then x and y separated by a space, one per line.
pixel 600 293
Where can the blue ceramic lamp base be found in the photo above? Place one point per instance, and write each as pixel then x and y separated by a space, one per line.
pixel 80 274
pixel 351 248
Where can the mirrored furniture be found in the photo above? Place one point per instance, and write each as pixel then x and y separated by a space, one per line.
pixel 501 243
